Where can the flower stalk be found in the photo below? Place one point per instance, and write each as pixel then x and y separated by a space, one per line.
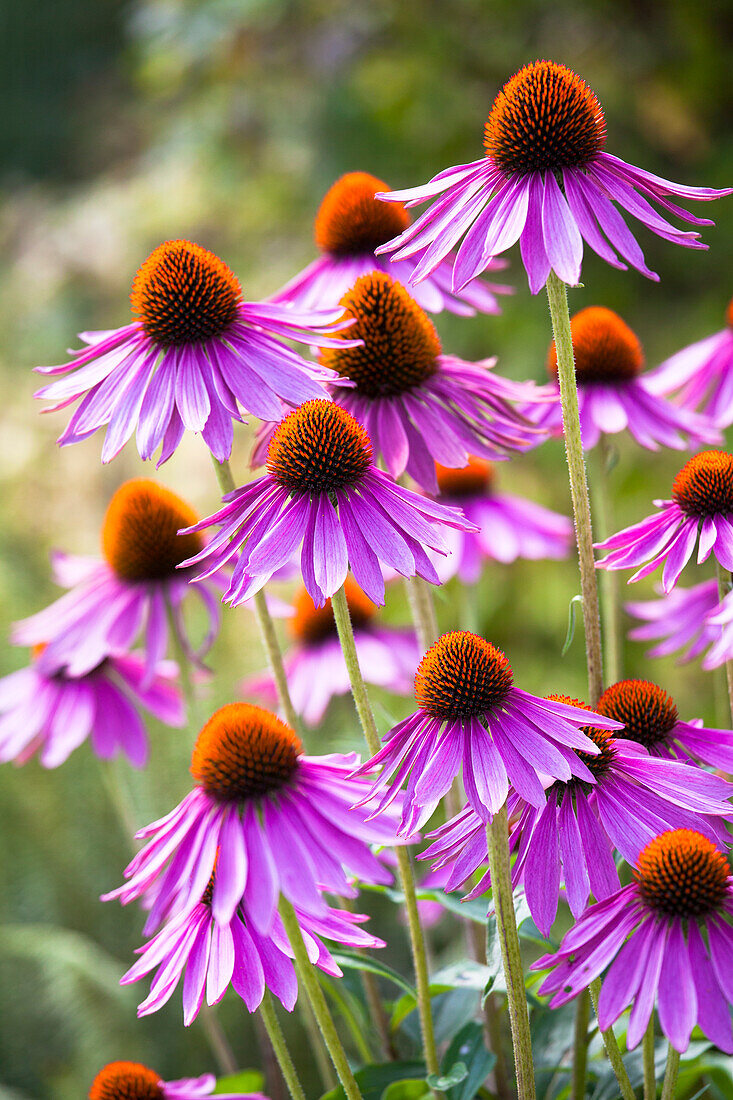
pixel 407 879
pixel 612 1049
pixel 670 1074
pixel 307 976
pixel 610 603
pixel 422 607
pixel 277 1039
pixel 498 840
pixel 560 315
pixel 650 1077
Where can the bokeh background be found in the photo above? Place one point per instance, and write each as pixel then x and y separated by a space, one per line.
pixel 224 121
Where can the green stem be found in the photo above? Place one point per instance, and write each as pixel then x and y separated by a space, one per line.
pixel 184 667
pixel 407 879
pixel 422 607
pixel 724 587
pixel 492 1017
pixel 612 1049
pixel 501 885
pixel 276 1037
pixel 610 603
pixel 318 1047
pixel 580 1048
pixel 264 619
pixel 560 314
pixel 650 1076
pixel 313 989
pixel 670 1074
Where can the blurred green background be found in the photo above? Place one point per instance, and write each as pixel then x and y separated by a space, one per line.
pixel 124 124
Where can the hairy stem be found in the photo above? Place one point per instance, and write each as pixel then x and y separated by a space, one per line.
pixel 407 879
pixel 650 1077
pixel 560 314
pixel 264 619
pixel 612 1049
pixel 580 1045
pixel 670 1074
pixel 610 603
pixel 277 1039
pixel 422 607
pixel 307 976
pixel 506 923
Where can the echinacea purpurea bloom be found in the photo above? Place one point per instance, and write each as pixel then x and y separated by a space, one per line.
pixel 349 226
pixel 51 713
pixel 137 590
pixel 134 1081
pixel 699 513
pixel 419 405
pixel 472 719
pixel 545 181
pixel 268 818
pixel 323 493
pixel 314 663
pixel 509 526
pixel 666 938
pixel 196 356
pixel 572 838
pixel 613 391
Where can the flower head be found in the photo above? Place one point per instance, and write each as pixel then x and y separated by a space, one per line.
pixel 650 718
pixel 509 526
pixel 574 835
pixel 545 181
pixel 135 590
pixel 700 376
pixel 648 936
pixel 470 716
pixel 279 821
pixel 701 506
pixel 323 491
pixel 211 955
pixel 133 1081
pixel 680 619
pixel 613 394
pixel 195 356
pixel 419 405
pixel 315 665
pixel 52 713
pixel 350 226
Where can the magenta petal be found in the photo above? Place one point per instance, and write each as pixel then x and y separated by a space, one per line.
pixel 542 868
pixel 677 999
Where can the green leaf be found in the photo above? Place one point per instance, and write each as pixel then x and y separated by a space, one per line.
pixel 443 1082
pixel 462 975
pixel 468 1046
pixel 571 624
pixel 352 960
pixel 374 1080
pixel 247 1080
pixel 409 1089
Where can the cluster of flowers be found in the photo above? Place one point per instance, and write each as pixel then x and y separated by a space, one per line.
pixel 267 831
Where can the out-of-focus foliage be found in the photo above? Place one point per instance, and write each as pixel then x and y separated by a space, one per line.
pixel 224 121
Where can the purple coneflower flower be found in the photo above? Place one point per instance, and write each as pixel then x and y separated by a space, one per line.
pixel 133 1081
pixel 701 505
pixel 509 527
pixel 574 835
pixel 470 715
pixel 323 490
pixel 680 619
pixel 546 128
pixel 613 394
pixel 701 375
pixel 315 665
pixel 195 355
pixel 350 225
pixel 133 592
pixel 215 955
pixel 53 713
pixel 650 718
pixel 649 938
pixel 280 821
pixel 418 405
